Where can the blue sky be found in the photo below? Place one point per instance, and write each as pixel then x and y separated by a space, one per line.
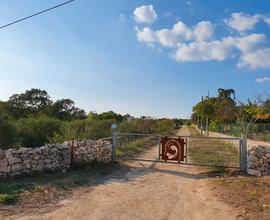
pixel 140 57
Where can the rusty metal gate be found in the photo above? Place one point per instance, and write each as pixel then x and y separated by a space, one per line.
pixel 189 150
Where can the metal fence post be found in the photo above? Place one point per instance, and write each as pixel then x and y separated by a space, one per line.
pixel 113 147
pixel 243 152
pixel 186 147
pixel 159 140
pixel 240 152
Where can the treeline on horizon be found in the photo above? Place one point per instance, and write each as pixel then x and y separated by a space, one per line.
pixel 224 110
pixel 32 119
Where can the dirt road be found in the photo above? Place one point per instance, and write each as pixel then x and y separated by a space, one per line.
pixel 147 191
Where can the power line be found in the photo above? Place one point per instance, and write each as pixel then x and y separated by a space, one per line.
pixel 38 13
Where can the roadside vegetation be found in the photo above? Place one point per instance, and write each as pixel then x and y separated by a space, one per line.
pixel 32 119
pixel 224 114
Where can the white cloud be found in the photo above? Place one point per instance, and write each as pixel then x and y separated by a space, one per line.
pixel 179 33
pixel 218 50
pixel 250 42
pixel 267 19
pixel 171 37
pixel 242 22
pixel 145 14
pixel 258 59
pixel 195 43
pixel 145 35
pixel 204 30
pixel 262 80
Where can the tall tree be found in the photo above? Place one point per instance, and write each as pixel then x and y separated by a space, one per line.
pixel 226 93
pixel 225 109
pixel 31 102
pixel 64 109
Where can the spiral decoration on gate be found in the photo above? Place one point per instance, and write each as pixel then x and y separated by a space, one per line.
pixel 172 149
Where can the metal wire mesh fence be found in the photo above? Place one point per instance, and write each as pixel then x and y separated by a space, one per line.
pixel 258 132
pixel 136 146
pixel 221 152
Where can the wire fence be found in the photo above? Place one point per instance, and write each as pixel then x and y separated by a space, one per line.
pixel 258 132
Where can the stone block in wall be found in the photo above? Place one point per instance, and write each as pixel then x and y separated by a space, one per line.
pixel 5 169
pixel 13 160
pixel 3 162
pixel 27 166
pixel 16 168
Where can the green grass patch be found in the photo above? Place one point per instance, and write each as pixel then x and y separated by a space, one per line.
pixel 215 153
pixel 218 154
pixel 130 148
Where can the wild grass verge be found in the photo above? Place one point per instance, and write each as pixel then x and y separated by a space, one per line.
pixel 48 186
pixel 218 154
pixel 132 147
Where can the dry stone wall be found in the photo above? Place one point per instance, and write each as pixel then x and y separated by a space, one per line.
pixel 88 150
pixel 259 161
pixel 52 156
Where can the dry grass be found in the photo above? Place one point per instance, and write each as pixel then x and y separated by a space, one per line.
pixel 250 195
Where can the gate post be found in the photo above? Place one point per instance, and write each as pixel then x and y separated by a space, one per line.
pixel 113 146
pixel 243 153
pixel 159 141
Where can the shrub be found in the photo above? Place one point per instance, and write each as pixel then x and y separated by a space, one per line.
pixel 34 132
pixel 85 129
pixel 164 126
pixel 213 126
pixel 8 132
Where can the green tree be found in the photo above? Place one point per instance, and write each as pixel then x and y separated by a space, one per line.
pixel 110 115
pixel 64 109
pixel 226 93
pixel 225 109
pixel 205 110
pixel 29 103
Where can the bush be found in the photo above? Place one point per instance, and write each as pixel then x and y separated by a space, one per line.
pixel 213 126
pixel 84 129
pixel 34 132
pixel 8 132
pixel 164 126
pixel 138 126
